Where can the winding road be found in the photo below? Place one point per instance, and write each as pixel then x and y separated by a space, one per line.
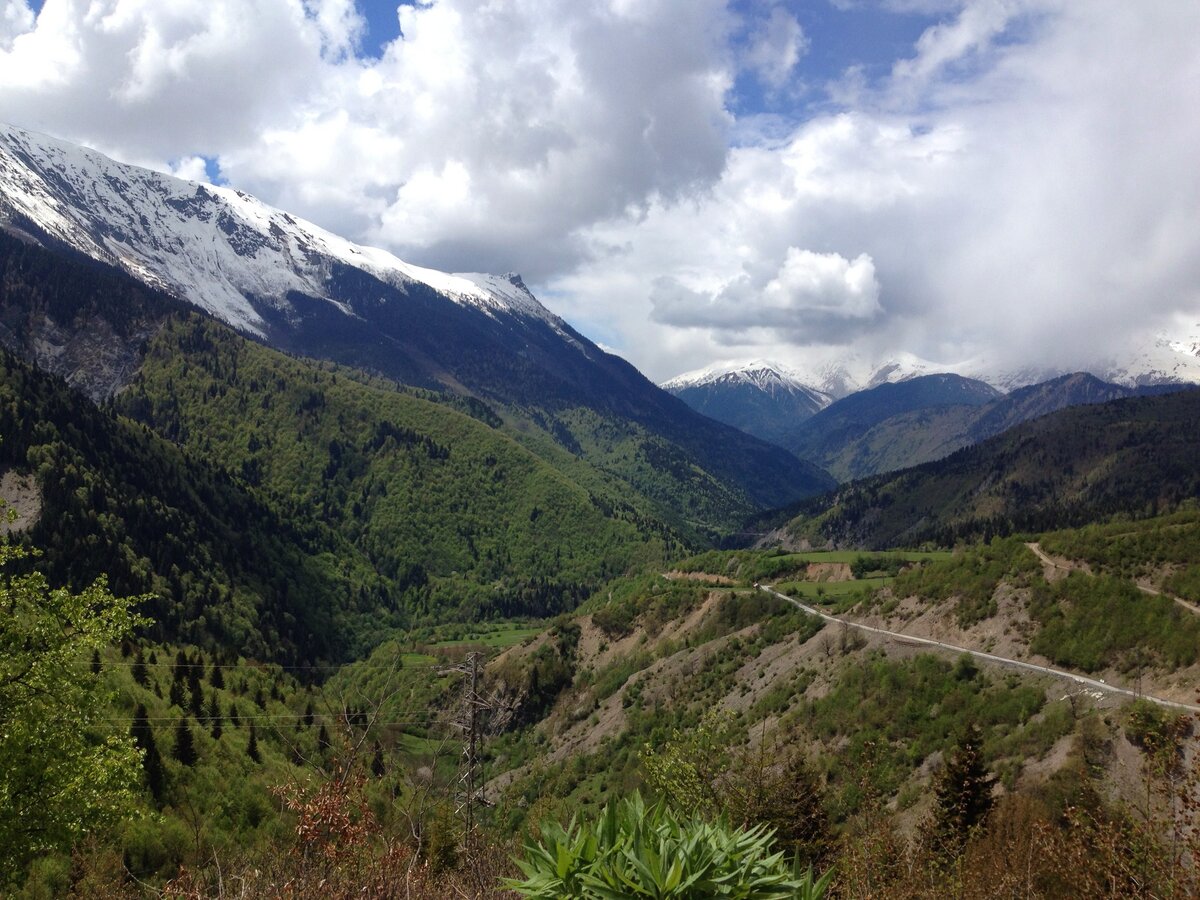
pixel 899 636
pixel 1144 588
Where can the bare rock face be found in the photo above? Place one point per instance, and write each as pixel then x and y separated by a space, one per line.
pixel 88 353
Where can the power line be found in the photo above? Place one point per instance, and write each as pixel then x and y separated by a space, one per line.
pixel 123 724
pixel 269 668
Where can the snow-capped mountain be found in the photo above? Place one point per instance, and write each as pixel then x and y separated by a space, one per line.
pixel 769 377
pixel 760 397
pixel 307 291
pixel 218 248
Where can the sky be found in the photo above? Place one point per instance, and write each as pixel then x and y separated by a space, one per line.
pixel 689 181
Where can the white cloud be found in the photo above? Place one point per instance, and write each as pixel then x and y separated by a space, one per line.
pixel 16 18
pixel 147 78
pixel 1032 207
pixel 812 298
pixel 775 46
pixel 192 168
pixel 1026 173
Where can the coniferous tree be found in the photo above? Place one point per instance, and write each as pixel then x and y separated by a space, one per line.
pixel 234 715
pixel 377 767
pixel 185 747
pixel 139 672
pixel 963 792
pixel 95 662
pixel 214 716
pixel 152 763
pixel 197 699
pixel 252 745
pixel 217 679
pixel 194 674
pixel 175 696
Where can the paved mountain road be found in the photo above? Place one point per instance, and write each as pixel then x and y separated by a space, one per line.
pixel 899 636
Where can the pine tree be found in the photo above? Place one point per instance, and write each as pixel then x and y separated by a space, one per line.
pixel 217 679
pixel 197 699
pixel 794 808
pixel 185 747
pixel 152 764
pixel 252 746
pixel 963 792
pixel 176 695
pixel 214 716
pixel 140 675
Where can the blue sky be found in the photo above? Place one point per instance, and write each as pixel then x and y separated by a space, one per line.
pixel 690 180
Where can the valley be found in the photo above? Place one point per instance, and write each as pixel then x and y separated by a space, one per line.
pixel 340 576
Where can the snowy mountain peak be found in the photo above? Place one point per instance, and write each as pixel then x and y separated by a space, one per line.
pixel 770 377
pixel 219 248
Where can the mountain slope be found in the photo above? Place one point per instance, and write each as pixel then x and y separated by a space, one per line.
pixel 225 567
pixel 1067 468
pixel 760 398
pixel 425 489
pixel 306 291
pixel 912 438
pixel 823 437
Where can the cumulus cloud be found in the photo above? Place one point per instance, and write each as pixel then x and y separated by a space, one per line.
pixel 193 168
pixel 485 137
pixel 1026 172
pixel 16 19
pixel 1030 207
pixel 775 46
pixel 143 77
pixel 812 298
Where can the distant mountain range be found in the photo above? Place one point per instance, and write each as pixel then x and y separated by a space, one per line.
pixel 1165 360
pixel 903 419
pixel 303 290
pixel 1134 456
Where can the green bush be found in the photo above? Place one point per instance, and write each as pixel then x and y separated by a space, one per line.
pixel 635 851
pixel 1094 623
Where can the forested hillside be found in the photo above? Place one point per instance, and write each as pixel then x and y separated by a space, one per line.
pixel 906 439
pixel 223 565
pixel 1135 455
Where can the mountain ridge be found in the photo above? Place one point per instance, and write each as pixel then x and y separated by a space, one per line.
pixel 305 291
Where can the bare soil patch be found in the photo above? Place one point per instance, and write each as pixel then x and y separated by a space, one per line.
pixel 20 493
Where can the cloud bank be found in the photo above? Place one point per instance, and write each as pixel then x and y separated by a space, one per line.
pixel 1019 184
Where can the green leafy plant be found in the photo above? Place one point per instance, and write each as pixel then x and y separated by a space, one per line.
pixel 60 778
pixel 637 851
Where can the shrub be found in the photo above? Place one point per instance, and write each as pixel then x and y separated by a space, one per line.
pixel 635 851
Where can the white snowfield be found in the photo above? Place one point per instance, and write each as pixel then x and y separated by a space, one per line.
pixel 212 246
